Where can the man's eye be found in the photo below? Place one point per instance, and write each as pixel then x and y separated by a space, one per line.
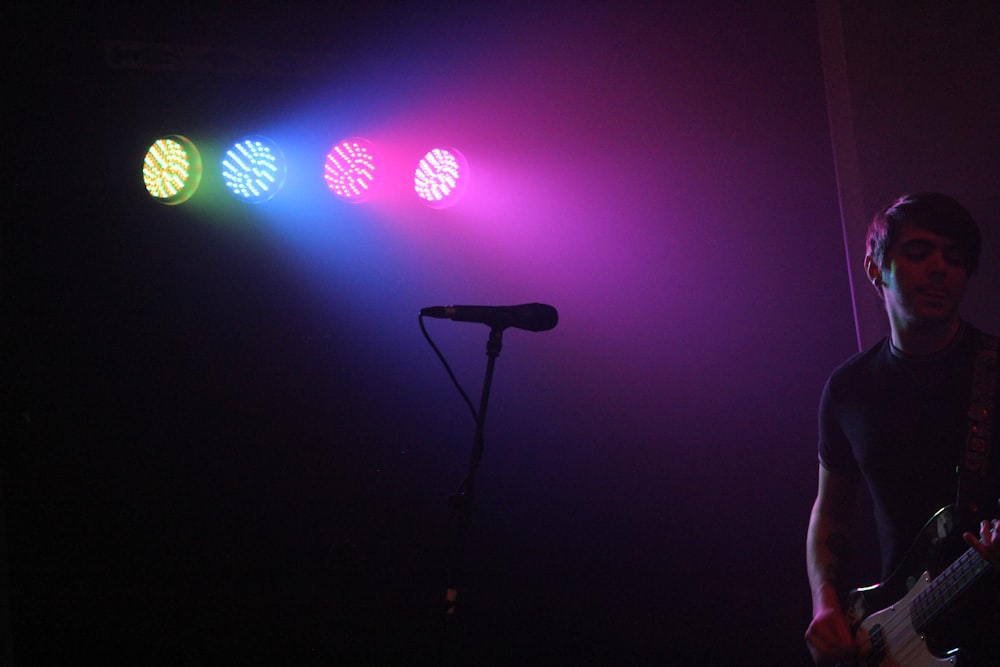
pixel 916 251
pixel 954 257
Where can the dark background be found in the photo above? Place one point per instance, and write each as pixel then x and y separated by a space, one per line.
pixel 228 441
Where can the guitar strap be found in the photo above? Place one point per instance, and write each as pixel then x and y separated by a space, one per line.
pixel 975 458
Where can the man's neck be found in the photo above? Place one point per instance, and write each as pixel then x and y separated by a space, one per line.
pixel 925 339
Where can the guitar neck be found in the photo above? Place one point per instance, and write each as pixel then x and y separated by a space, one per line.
pixel 947 587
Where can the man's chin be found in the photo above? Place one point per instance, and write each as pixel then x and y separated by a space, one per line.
pixel 935 317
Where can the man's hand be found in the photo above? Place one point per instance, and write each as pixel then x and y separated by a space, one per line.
pixel 987 544
pixel 829 639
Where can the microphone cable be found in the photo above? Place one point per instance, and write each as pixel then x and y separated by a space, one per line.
pixel 444 362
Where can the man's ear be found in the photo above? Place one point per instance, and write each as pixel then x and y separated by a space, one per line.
pixel 874 273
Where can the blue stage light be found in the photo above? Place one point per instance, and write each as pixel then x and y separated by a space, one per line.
pixel 254 169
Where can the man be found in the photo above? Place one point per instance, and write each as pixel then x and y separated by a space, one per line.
pixel 896 418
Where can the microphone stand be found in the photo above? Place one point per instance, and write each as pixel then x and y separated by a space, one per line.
pixel 461 502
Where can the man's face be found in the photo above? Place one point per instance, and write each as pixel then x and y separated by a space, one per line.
pixel 924 279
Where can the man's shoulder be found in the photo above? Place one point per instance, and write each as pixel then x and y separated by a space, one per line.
pixel 975 341
pixel 861 364
pixel 978 334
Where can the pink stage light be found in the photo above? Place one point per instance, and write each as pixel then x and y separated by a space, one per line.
pixel 350 170
pixel 441 177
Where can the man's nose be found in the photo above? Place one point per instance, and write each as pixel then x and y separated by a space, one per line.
pixel 936 261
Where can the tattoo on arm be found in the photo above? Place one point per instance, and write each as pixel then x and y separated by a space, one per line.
pixel 838 544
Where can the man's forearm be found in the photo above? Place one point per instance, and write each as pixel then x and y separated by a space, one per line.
pixel 828 551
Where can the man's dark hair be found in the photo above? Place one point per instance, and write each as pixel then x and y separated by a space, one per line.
pixel 932 211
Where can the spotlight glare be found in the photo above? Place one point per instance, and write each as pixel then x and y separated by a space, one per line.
pixel 254 169
pixel 441 177
pixel 171 169
pixel 350 170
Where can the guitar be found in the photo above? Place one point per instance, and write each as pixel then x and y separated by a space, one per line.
pixel 908 605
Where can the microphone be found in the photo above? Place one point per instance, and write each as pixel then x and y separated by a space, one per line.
pixel 527 316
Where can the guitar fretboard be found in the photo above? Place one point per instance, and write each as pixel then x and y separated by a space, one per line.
pixel 945 588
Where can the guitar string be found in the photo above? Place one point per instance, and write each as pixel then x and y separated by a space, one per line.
pixel 911 616
pixel 965 570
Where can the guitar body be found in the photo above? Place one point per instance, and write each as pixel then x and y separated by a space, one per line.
pixel 917 595
pixel 890 639
pixel 924 556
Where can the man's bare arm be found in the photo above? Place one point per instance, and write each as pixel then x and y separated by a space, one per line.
pixel 828 551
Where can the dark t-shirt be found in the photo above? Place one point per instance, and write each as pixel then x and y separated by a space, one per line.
pixel 901 423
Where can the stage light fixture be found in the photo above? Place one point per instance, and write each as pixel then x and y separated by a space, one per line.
pixel 254 169
pixel 350 170
pixel 441 177
pixel 171 169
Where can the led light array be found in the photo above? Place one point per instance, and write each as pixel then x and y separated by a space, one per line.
pixel 254 170
pixel 171 169
pixel 439 176
pixel 350 170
